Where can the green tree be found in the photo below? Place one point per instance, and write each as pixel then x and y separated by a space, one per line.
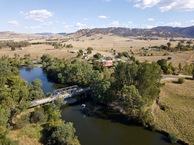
pixel 168 45
pixel 101 91
pixel 163 64
pixel 35 90
pixel 80 53
pixel 124 74
pixel 38 115
pixel 4 116
pixel 148 81
pixel 64 135
pixel 132 102
pixel 97 56
pixel 53 116
pixel 90 48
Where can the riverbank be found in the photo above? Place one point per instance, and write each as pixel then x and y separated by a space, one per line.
pixel 176 111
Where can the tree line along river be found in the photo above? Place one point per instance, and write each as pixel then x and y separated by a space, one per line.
pixel 92 130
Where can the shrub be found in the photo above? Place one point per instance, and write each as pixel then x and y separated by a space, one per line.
pixel 173 138
pixel 181 80
pixel 97 55
pixel 163 107
pixel 32 131
pixel 153 127
pixel 38 115
pixel 169 58
pixel 89 51
pixel 22 121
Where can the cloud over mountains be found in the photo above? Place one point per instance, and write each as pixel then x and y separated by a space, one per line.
pixel 166 5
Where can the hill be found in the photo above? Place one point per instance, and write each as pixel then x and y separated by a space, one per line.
pixel 183 32
pixel 161 31
pixel 125 32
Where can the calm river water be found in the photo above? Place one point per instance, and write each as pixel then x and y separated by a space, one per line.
pixel 95 130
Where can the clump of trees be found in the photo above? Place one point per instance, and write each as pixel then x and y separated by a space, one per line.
pixel 97 56
pixel 89 50
pixel 166 67
pixel 179 47
pixel 133 86
pixel 56 45
pixel 69 72
pixel 15 97
pixel 69 46
pixel 55 129
pixel 13 45
pixel 123 54
pixel 80 53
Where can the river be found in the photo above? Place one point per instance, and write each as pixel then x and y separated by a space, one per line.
pixel 95 130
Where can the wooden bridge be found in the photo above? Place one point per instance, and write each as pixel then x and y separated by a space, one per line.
pixel 63 93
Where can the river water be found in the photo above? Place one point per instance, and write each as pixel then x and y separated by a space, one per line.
pixel 95 130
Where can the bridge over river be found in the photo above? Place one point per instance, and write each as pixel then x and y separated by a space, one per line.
pixel 63 93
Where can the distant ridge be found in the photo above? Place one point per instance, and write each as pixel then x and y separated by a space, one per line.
pixel 45 33
pixel 161 31
pixel 183 32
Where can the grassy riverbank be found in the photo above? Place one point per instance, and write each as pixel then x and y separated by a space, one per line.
pixel 178 102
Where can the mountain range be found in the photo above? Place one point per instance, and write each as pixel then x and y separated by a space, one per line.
pixel 160 31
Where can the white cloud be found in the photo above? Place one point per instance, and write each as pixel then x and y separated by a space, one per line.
pixel 33 27
pixel 13 22
pixel 191 21
pixel 80 26
pixel 173 24
pixel 103 17
pixel 150 19
pixel 150 26
pixel 166 5
pixel 146 3
pixel 108 0
pixel 37 15
pixel 114 24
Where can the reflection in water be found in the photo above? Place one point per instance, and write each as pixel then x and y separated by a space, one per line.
pixel 31 74
pixel 28 69
pixel 95 130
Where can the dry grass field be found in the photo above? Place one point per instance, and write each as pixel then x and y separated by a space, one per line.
pixel 103 44
pixel 178 118
pixel 36 51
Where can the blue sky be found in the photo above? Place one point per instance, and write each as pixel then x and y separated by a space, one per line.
pixel 36 16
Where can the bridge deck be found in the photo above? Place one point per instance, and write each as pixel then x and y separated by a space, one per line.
pixel 63 93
